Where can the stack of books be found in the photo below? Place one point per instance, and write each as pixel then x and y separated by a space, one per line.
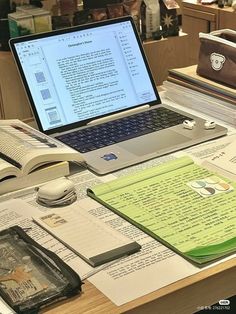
pixel 187 88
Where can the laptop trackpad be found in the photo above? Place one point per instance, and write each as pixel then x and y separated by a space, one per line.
pixel 151 143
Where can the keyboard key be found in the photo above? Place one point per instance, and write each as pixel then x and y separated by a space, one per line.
pixel 122 129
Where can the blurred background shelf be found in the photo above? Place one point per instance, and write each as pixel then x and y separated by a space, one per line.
pixel 204 18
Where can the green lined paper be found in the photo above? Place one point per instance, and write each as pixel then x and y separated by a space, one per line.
pixel 159 201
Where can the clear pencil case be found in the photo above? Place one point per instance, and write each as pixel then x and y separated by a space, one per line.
pixel 31 276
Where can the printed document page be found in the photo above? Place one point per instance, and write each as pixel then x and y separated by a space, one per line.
pixel 206 150
pixel 223 161
pixel 18 212
pixel 4 308
pixel 129 272
pixel 155 261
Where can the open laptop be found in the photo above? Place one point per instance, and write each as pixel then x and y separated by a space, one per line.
pixel 90 86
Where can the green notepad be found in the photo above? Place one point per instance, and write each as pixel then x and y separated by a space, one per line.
pixel 162 202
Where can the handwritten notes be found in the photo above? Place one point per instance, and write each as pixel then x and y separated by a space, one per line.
pixel 224 161
pixel 159 201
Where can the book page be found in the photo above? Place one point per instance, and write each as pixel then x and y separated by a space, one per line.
pixel 41 175
pixel 18 212
pixel 7 170
pixel 27 148
pixel 165 207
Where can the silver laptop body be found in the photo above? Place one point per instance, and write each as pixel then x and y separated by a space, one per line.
pixel 89 75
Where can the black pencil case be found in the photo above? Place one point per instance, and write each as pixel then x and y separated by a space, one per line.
pixel 32 277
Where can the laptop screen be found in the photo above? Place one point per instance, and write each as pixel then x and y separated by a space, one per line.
pixel 75 75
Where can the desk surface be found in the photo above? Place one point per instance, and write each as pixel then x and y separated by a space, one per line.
pixel 185 296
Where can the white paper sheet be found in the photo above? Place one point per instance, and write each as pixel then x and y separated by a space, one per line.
pixel 154 267
pixel 18 212
pixel 4 308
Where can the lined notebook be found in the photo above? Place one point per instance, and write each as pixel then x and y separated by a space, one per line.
pixel 181 204
pixel 86 235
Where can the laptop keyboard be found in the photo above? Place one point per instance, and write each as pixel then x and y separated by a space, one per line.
pixel 121 129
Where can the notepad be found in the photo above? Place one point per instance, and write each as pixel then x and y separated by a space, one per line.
pixel 86 235
pixel 181 204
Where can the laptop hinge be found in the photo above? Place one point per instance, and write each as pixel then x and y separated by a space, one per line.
pixel 120 114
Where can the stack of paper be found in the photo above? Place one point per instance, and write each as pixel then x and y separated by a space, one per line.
pixel 187 88
pixel 189 78
pixel 198 101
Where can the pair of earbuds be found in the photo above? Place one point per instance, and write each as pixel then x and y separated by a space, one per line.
pixel 189 124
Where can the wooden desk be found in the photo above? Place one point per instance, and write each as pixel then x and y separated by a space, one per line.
pixel 183 297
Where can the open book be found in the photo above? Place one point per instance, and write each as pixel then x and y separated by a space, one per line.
pixel 23 150
pixel 179 203
pixel 37 177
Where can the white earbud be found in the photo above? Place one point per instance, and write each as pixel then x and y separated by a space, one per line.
pixel 209 125
pixel 189 124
